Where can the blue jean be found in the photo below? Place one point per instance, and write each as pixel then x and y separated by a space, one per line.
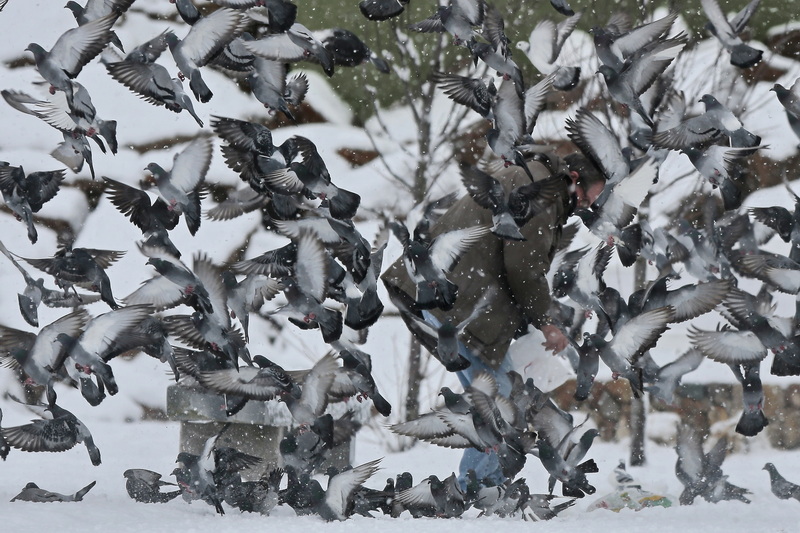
pixel 485 465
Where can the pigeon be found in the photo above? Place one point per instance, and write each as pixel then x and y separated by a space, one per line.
pixel 665 382
pixel 59 434
pixel 176 283
pixel 780 486
pixel 296 44
pixel 428 262
pixel 544 45
pixel 348 50
pixel 509 210
pixel 71 52
pixel 701 473
pixel 154 218
pixel 313 398
pixel 470 92
pixel 145 486
pixel 4 447
pixel 35 293
pixel 205 39
pixel 36 354
pixel 434 498
pixel 689 301
pixel 717 120
pixel 81 266
pixel 306 290
pixel 639 72
pixel 263 383
pixel 382 9
pixel 335 505
pixel 32 493
pixel 205 332
pixel 87 350
pixel 790 100
pixel 752 420
pixel 26 194
pixel 573 478
pixel 139 72
pixel 180 187
pixel 630 341
pixel 786 223
pixel 312 176
pixel 358 367
pixel 269 85
pixel 727 32
pixel 95 9
pixel 458 18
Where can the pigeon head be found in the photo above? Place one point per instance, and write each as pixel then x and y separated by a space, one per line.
pixel 37 51
pixel 708 100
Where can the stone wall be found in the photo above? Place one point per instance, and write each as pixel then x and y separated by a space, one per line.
pixel 703 405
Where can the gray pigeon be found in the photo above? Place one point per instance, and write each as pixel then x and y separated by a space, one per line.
pixel 780 486
pixel 742 55
pixel 296 44
pixel 145 486
pixel 205 39
pixel 139 72
pixel 95 9
pixel 58 434
pixel 71 52
pixel 32 493
pixel 269 85
pixel 26 194
pixel 790 100
pixel 180 187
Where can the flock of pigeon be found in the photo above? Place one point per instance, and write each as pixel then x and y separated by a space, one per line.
pixel 327 276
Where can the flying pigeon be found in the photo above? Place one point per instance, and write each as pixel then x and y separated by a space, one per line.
pixel 335 504
pixel 58 434
pixel 790 100
pixel 727 32
pixel 139 72
pixel 81 266
pixel 296 44
pixel 428 262
pixel 348 50
pixel 544 45
pixel 382 9
pixel 205 39
pixel 26 194
pixel 269 85
pixel 71 52
pixel 99 336
pixel 458 18
pixel 180 187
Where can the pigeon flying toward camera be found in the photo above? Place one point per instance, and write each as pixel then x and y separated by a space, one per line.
pixel 180 187
pixel 26 194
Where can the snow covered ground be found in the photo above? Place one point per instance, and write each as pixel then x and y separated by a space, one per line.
pixel 126 442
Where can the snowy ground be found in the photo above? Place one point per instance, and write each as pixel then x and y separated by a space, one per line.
pixel 153 445
pixel 126 442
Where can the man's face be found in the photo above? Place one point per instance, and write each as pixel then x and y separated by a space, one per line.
pixel 586 197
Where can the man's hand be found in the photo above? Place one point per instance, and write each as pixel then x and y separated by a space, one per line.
pixel 554 338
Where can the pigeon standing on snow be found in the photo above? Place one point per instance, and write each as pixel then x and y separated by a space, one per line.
pixel 32 493
pixel 780 486
pixel 145 486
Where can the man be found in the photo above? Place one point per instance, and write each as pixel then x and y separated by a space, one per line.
pixel 513 270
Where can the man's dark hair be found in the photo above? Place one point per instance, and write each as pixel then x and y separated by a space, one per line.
pixel 588 173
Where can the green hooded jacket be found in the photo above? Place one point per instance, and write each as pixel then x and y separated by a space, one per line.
pixel 516 269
